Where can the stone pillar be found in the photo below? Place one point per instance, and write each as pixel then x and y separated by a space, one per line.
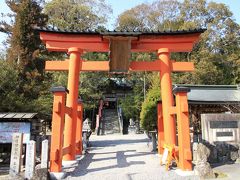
pixel 44 154
pixel 16 154
pixel 75 64
pixel 30 159
pixel 167 96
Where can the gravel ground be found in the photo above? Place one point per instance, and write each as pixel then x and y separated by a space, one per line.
pixel 121 157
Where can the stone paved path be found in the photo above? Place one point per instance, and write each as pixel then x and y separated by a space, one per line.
pixel 121 157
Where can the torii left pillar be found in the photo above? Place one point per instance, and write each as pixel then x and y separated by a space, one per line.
pixel 57 129
pixel 167 96
pixel 75 65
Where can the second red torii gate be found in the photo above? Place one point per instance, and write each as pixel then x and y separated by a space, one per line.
pixel 163 43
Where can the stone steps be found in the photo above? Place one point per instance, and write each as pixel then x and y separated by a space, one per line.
pixel 110 121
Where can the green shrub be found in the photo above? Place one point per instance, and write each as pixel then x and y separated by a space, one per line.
pixel 148 115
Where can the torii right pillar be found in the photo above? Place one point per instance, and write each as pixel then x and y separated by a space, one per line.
pixel 169 110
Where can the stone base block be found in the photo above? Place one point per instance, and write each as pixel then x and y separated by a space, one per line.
pixel 184 173
pixel 41 174
pixel 79 157
pixel 59 175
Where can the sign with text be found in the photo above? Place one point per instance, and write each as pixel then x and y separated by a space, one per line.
pixel 221 127
pixel 16 154
pixel 30 159
pixel 8 128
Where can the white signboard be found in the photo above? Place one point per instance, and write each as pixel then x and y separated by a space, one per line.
pixel 8 128
pixel 221 127
pixel 164 157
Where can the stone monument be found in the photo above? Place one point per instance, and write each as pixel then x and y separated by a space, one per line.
pixel 30 159
pixel 41 170
pixel 16 154
pixel 221 133
pixel 221 128
pixel 44 154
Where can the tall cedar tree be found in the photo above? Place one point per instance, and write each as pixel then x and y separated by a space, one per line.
pixel 24 42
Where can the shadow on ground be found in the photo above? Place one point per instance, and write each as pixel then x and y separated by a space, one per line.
pixel 121 158
pixel 108 143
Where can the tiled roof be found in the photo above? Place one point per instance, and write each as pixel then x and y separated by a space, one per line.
pixel 17 115
pixel 119 33
pixel 213 94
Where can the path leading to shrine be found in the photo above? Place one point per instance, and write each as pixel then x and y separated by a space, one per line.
pixel 121 157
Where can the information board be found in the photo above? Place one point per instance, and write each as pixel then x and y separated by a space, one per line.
pixel 8 128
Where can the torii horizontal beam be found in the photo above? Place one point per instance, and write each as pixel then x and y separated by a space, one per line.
pixel 98 43
pixel 104 46
pixel 104 66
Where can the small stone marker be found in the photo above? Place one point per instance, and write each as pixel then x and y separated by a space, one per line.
pixel 97 121
pixel 131 122
pixel 16 154
pixel 30 159
pixel 44 154
pixel 41 170
pixel 154 141
pixel 86 125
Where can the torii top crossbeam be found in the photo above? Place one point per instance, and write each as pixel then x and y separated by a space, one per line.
pixel 120 44
pixel 176 41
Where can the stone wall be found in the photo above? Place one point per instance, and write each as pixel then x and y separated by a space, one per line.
pixel 222 152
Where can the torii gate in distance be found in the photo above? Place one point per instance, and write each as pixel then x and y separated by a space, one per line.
pixel 120 44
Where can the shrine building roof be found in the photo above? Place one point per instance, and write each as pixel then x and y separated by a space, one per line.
pixel 213 94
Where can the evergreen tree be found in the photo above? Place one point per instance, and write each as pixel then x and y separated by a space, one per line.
pixel 24 41
pixel 23 70
pixel 77 14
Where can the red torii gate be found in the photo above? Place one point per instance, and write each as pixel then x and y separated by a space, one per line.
pixel 120 44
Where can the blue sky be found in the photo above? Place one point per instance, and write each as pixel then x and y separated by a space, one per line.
pixel 119 6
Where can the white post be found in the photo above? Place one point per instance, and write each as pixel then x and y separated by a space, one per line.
pixel 44 154
pixel 16 154
pixel 30 159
